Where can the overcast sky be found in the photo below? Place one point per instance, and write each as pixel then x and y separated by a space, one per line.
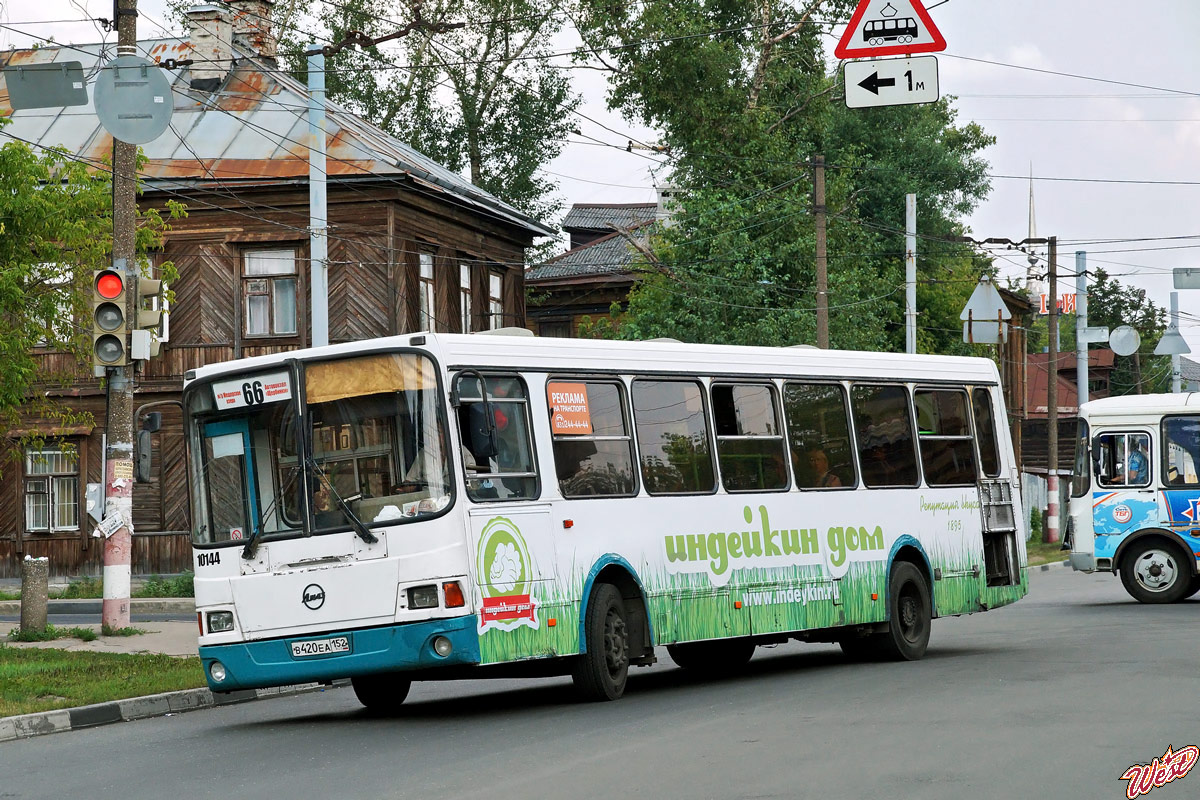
pixel 1097 147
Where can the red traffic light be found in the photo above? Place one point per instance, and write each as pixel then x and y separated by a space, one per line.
pixel 109 285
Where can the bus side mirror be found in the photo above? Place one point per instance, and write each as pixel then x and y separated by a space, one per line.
pixel 151 423
pixel 481 433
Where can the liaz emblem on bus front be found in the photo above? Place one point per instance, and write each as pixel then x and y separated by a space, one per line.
pixel 505 578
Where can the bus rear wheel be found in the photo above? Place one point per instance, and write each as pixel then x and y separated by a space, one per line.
pixel 910 612
pixel 600 672
pixel 381 693
pixel 1155 572
pixel 719 657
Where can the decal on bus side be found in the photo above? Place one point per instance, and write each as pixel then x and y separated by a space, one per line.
pixel 505 568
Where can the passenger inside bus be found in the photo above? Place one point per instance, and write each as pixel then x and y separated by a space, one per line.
pixel 823 477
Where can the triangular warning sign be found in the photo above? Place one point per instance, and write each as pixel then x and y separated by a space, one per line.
pixel 889 28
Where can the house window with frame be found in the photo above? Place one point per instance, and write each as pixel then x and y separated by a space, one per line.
pixel 425 291
pixel 51 489
pixel 464 289
pixel 269 288
pixel 496 299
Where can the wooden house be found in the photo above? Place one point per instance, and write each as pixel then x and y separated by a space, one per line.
pixel 411 246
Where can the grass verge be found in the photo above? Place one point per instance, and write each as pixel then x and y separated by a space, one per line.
pixel 93 588
pixel 52 632
pixel 1042 553
pixel 35 679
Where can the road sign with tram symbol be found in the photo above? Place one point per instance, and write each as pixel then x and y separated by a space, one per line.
pixel 889 28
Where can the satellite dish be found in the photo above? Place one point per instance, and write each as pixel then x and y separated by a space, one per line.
pixel 133 99
pixel 1124 340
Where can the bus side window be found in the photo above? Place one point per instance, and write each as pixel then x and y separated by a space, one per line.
pixel 947 454
pixel 593 448
pixel 883 425
pixel 673 437
pixel 510 472
pixel 1124 459
pixel 819 435
pixel 1181 450
pixel 749 439
pixel 985 432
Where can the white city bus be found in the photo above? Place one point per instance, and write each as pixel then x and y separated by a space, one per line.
pixel 1134 494
pixel 435 506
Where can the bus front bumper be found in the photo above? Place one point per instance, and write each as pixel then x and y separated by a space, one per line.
pixel 395 648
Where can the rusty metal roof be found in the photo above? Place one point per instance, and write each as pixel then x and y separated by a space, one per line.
pixel 603 216
pixel 255 126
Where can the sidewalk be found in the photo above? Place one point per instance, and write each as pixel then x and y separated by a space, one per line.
pixel 169 638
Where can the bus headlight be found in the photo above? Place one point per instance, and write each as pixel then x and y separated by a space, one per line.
pixel 423 597
pixel 220 621
pixel 217 671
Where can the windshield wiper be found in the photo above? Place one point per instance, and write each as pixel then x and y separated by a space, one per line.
pixel 343 505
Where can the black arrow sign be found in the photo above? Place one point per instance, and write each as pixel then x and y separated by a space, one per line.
pixel 872 82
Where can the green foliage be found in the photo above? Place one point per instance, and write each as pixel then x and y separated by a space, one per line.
pixel 181 585
pixel 50 632
pixel 108 630
pixel 55 229
pixel 1035 524
pixel 477 99
pixel 741 112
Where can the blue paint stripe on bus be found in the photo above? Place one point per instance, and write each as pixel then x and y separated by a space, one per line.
pixel 395 648
pixel 904 540
pixel 608 559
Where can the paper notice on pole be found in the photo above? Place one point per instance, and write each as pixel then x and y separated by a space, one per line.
pixel 110 525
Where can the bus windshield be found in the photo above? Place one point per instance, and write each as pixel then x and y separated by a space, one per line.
pixel 372 449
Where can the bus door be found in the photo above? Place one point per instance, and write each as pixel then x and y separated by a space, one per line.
pixel 1125 498
pixel 234 497
pixel 510 527
pixel 1180 483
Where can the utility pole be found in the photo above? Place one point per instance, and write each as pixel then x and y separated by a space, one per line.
pixel 1176 375
pixel 318 214
pixel 822 264
pixel 1081 320
pixel 118 478
pixel 910 273
pixel 1050 534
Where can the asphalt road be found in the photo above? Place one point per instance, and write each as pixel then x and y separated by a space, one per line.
pixel 1054 697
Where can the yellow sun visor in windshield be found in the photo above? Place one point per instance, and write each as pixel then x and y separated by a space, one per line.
pixel 367 375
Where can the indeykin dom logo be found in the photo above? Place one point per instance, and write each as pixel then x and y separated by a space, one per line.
pixel 505 578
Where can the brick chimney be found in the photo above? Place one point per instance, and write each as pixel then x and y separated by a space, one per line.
pixel 210 33
pixel 252 26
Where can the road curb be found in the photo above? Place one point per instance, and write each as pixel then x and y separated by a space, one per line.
pixel 155 705
pixel 137 605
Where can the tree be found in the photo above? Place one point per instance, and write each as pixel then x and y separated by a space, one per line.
pixel 55 229
pixel 743 99
pixel 480 99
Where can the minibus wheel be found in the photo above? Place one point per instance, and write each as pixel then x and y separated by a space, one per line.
pixel 910 612
pixel 381 693
pixel 600 673
pixel 1153 571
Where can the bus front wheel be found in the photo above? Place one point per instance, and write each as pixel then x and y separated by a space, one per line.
pixel 1154 572
pixel 381 693
pixel 601 672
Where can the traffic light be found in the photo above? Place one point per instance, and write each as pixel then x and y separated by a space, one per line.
pixel 108 319
pixel 145 340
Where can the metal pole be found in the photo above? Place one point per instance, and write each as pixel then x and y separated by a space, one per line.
pixel 1051 529
pixel 1176 375
pixel 822 264
pixel 1081 312
pixel 910 273
pixel 318 214
pixel 118 477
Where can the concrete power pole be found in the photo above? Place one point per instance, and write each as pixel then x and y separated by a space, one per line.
pixel 910 273
pixel 118 478
pixel 1081 320
pixel 318 223
pixel 1050 534
pixel 822 264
